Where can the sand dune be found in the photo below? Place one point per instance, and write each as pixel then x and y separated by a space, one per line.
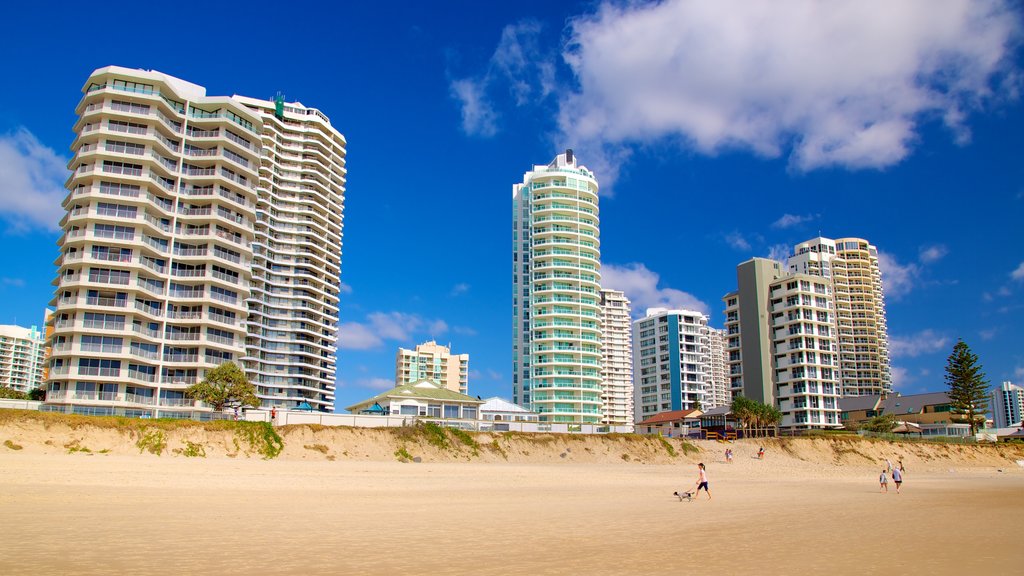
pixel 537 506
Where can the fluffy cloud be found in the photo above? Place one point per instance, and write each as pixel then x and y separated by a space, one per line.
pixel 518 64
pixel 641 287
pixel 828 85
pixel 791 220
pixel 924 342
pixel 901 378
pixel 779 253
pixel 897 279
pixel 737 242
pixel 1018 272
pixel 459 289
pixel 381 326
pixel 934 253
pixel 31 182
pixel 376 383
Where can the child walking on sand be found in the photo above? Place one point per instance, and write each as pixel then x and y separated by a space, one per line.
pixel 883 482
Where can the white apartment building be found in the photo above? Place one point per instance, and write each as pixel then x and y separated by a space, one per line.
pixel 781 344
pixel 851 266
pixel 617 363
pixel 430 361
pixel 22 352
pixel 1007 405
pixel 556 307
pixel 672 363
pixel 199 230
pixel 717 388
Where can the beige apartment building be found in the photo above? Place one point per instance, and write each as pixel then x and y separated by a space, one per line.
pixel 851 267
pixel 431 361
pixel 22 352
pixel 199 230
pixel 617 362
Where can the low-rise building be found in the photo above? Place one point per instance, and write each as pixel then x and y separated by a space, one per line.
pixel 499 409
pixel 931 412
pixel 673 424
pixel 423 398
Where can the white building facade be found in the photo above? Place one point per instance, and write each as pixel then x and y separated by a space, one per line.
pixel 556 355
pixel 22 352
pixel 617 364
pixel 717 390
pixel 188 242
pixel 431 361
pixel 851 267
pixel 1007 405
pixel 672 363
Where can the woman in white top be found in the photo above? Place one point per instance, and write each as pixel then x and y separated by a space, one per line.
pixel 702 480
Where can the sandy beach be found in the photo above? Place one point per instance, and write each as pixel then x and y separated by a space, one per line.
pixel 140 514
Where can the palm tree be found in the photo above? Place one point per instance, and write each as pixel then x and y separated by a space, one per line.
pixel 744 410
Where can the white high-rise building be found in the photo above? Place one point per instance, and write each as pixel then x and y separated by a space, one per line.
pixel 781 343
pixel 556 267
pixel 672 363
pixel 851 266
pixel 1007 405
pixel 21 357
pixel 617 365
pixel 431 361
pixel 717 389
pixel 199 230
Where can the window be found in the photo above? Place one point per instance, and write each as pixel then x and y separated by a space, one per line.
pixel 451 411
pixel 108 276
pixel 116 210
pixel 116 232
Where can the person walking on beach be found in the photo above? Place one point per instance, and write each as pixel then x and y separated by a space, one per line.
pixel 888 465
pixel 728 455
pixel 702 480
pixel 883 482
pixel 897 478
pixel 760 453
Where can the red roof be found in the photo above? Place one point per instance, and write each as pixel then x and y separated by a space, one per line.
pixel 670 416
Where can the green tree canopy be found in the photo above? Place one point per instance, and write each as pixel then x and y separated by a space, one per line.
pixel 224 387
pixel 12 394
pixel 968 388
pixel 755 415
pixel 881 423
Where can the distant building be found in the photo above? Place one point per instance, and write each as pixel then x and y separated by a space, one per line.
pixel 499 409
pixel 717 385
pixel 22 352
pixel 671 361
pixel 1007 405
pixel 931 412
pixel 850 265
pixel 431 361
pixel 422 398
pixel 617 367
pixel 781 343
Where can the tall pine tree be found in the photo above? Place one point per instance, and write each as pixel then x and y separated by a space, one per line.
pixel 968 388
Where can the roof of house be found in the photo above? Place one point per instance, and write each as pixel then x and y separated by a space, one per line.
pixel 422 390
pixel 913 403
pixel 497 404
pixel 672 416
pixel 719 411
pixel 851 403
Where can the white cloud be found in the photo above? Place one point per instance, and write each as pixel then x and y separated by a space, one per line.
pixel 1018 272
pixel 464 330
pixel 791 220
pixel 459 289
pixel 1018 373
pixel 641 287
pixel 381 326
pixel 779 253
pixel 16 282
pixel 897 279
pixel 478 116
pixel 924 342
pixel 494 375
pixel 901 378
pixel 827 84
pixel 736 240
pixel 934 253
pixel 344 288
pixel 31 182
pixel 988 334
pixel 518 65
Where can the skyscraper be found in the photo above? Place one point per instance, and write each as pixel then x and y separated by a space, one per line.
pixel 617 363
pixel 556 307
pixel 430 361
pixel 781 343
pixel 200 229
pixel 851 266
pixel 717 385
pixel 1007 405
pixel 672 361
pixel 21 358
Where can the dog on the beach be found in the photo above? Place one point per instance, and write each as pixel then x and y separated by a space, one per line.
pixel 687 495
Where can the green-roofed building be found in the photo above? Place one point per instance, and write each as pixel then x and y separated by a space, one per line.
pixel 423 398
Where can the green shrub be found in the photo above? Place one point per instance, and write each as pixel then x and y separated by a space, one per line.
pixel 403 455
pixel 260 436
pixel 12 445
pixel 668 447
pixel 151 440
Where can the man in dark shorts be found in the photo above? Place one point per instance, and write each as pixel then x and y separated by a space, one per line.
pixel 897 478
pixel 702 480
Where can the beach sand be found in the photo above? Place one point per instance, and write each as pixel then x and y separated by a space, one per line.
pixel 129 514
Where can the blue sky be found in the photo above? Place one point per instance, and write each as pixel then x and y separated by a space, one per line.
pixel 718 130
